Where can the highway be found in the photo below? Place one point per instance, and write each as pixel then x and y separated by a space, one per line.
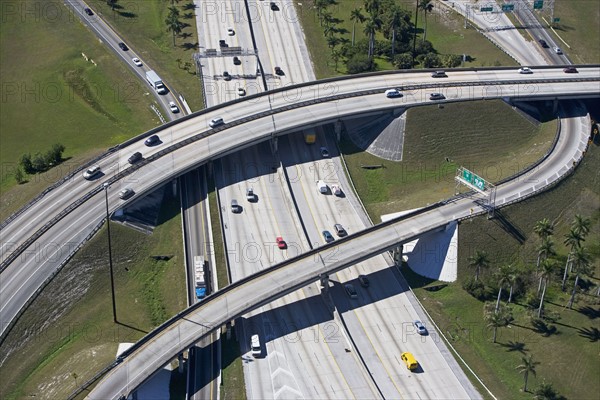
pixel 247 125
pixel 260 289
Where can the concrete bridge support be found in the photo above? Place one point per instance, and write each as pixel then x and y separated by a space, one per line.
pixel 324 282
pixel 274 145
pixel 397 254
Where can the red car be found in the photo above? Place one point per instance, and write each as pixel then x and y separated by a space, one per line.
pixel 280 242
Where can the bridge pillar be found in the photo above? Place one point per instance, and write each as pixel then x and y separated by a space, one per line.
pixel 180 359
pixel 555 106
pixel 324 282
pixel 338 129
pixel 397 254
pixel 274 145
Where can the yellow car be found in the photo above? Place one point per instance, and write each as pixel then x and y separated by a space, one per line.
pixel 409 360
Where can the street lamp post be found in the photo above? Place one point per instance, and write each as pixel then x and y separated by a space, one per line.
pixel 110 264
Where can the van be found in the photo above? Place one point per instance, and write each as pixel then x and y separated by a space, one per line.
pixel 216 122
pixel 322 186
pixel 235 207
pixel 439 74
pixel 409 360
pixel 255 346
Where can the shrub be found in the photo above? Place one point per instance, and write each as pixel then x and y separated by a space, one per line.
pixel 359 63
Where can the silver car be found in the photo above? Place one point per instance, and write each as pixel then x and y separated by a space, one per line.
pixel 421 330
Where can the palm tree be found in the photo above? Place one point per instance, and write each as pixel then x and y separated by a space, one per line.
pixel 527 367
pixel 573 239
pixel 372 25
pixel 479 260
pixel 546 249
pixel 173 23
pixel 503 278
pixel 372 6
pixel 581 263
pixel 544 228
pixel 581 225
pixel 356 16
pixel 396 18
pixel 548 266
pixel 426 6
pixel 497 318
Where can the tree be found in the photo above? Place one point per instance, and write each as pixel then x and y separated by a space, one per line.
pixel 496 318
pixel 359 63
pixel 430 60
pixel 27 164
pixel 504 273
pixel 335 56
pixel 544 250
pixel 403 61
pixel 39 162
pixel 573 239
pixel 548 266
pixel 396 18
pixel 451 60
pixel 371 26
pixel 581 225
pixel 546 392
pixel 173 24
pixel 544 228
pixel 54 155
pixel 479 260
pixel 426 6
pixel 526 368
pixel 356 17
pixel 581 263
pixel 19 176
pixel 333 41
pixel 112 4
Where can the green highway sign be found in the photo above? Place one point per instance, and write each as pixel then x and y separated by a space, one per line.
pixel 483 9
pixel 479 183
pixel 473 179
pixel 508 7
pixel 467 176
pixel 538 4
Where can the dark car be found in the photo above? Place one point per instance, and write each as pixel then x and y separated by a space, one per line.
pixel 328 236
pixel 123 46
pixel 363 280
pixel 222 43
pixel 88 11
pixel 236 60
pixel 570 70
pixel 274 6
pixel 279 71
pixel 543 43
pixel 152 140
pixel 339 230
pixel 436 96
pixel 226 76
pixel 126 193
pixel 135 157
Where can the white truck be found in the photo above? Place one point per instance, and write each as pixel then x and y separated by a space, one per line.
pixel 155 81
pixel 199 279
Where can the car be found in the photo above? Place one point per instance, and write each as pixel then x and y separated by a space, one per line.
pixel 324 151
pixel 436 96
pixel 135 157
pixel 409 360
pixel 250 196
pixel 525 70
pixel 235 207
pixel 88 11
pixel 363 280
pixel 558 50
pixel 123 46
pixel 126 193
pixel 339 230
pixel 570 70
pixel 421 330
pixel 279 71
pixel 274 6
pixel 327 236
pixel 152 140
pixel 439 74
pixel 336 190
pixel 280 242
pixel 236 60
pixel 92 172
pixel 255 346
pixel 173 107
pixel 226 76
pixel 216 122
pixel 230 31
pixel 137 61
pixel 350 290
pixel 322 187
pixel 241 91
pixel 391 93
pixel 543 43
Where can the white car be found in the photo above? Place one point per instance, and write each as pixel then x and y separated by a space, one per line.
pixel 421 330
pixel 241 91
pixel 558 50
pixel 391 93
pixel 230 31
pixel 173 107
pixel 92 172
pixel 137 61
pixel 126 193
pixel 525 70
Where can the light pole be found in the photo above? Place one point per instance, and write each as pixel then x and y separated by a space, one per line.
pixel 112 280
pixel 415 35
